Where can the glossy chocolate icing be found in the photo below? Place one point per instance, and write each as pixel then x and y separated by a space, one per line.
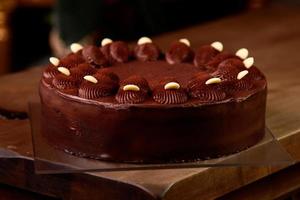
pixel 196 121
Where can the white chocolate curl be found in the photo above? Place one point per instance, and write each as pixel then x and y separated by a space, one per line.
pixel 144 40
pixel 131 87
pixel 213 81
pixel 90 79
pixel 54 61
pixel 217 45
pixel 172 86
pixel 242 74
pixel 75 47
pixel 106 41
pixel 248 62
pixel 185 41
pixel 242 53
pixel 64 71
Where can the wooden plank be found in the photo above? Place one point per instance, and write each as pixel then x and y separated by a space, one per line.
pixel 17 90
pixel 275 186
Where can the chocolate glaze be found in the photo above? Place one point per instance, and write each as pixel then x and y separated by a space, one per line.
pixel 150 131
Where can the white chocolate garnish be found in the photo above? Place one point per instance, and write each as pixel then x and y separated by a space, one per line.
pixel 90 79
pixel 144 40
pixel 217 45
pixel 172 86
pixel 54 61
pixel 242 53
pixel 248 62
pixel 106 41
pixel 75 47
pixel 185 41
pixel 242 74
pixel 212 81
pixel 64 71
pixel 131 87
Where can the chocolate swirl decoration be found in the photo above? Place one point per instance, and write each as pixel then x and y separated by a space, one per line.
pixel 72 60
pixel 66 84
pixel 199 88
pixel 133 90
pixel 108 72
pixel 119 52
pixel 141 82
pixel 204 54
pixel 81 70
pixel 215 61
pixel 94 56
pixel 105 49
pixel 243 81
pixel 147 52
pixel 169 91
pixel 229 69
pixel 97 86
pixel 49 73
pixel 179 52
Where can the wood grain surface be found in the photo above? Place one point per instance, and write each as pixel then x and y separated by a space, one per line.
pixel 273 37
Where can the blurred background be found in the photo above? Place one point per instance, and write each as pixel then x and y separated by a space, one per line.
pixel 32 30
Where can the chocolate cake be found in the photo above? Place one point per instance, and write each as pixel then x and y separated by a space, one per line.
pixel 142 105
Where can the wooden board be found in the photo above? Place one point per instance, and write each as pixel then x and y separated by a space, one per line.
pixel 271 35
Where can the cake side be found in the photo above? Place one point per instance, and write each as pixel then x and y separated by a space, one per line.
pixel 152 134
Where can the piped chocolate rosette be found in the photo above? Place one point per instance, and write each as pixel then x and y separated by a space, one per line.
pixel 71 60
pixel 169 91
pixel 234 74
pixel 98 85
pixel 204 88
pixel 228 69
pixel 115 51
pixel 134 89
pixel 51 70
pixel 241 55
pixel 206 53
pixel 74 58
pixel 179 52
pixel 65 82
pixel 94 56
pixel 146 50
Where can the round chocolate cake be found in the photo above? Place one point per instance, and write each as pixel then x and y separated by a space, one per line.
pixel 143 105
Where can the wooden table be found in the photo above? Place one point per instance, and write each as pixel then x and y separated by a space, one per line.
pixel 273 37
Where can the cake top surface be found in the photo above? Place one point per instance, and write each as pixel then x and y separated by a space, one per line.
pixel 117 75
